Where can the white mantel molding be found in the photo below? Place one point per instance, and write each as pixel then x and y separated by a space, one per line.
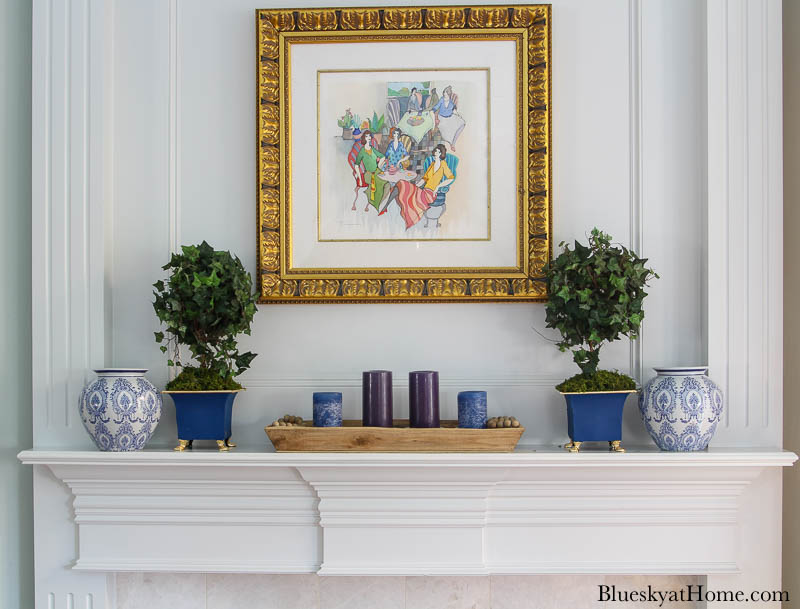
pixel 404 514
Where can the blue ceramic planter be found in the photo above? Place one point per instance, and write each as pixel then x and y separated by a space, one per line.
pixel 203 415
pixel 595 417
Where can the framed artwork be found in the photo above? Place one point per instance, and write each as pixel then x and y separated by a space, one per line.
pixel 404 154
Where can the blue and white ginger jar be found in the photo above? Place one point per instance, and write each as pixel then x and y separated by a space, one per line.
pixel 121 409
pixel 681 408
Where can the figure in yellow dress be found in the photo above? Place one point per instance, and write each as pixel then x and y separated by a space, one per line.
pixel 415 199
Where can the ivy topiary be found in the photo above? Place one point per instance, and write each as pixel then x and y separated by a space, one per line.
pixel 595 295
pixel 206 302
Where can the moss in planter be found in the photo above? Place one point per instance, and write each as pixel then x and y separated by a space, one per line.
pixel 602 380
pixel 201 379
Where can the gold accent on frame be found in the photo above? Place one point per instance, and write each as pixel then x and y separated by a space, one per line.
pixel 539 255
pixel 402 18
pixel 270 134
pixel 361 288
pixel 484 17
pixel 529 287
pixel 361 19
pixel 270 208
pixel 537 214
pixel 537 172
pixel 445 18
pixel 489 287
pixel 268 81
pixel 278 31
pixel 537 86
pixel 538 44
pixel 538 128
pixel 527 16
pixel 447 287
pixel 270 166
pixel 267 41
pixel 317 20
pixel 281 20
pixel 319 288
pixel 270 251
pixel 273 287
pixel 404 287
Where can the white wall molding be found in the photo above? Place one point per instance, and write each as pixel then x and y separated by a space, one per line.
pixel 67 201
pixel 70 166
pixel 635 154
pixel 174 135
pixel 401 381
pixel 745 209
pixel 377 514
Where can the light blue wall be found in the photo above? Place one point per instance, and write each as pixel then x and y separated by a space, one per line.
pixel 16 487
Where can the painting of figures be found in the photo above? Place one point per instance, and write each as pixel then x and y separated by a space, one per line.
pixel 404 156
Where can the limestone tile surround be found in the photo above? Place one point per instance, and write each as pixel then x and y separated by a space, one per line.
pixel 156 590
pixel 235 591
pixel 546 591
pixel 362 593
pixel 447 593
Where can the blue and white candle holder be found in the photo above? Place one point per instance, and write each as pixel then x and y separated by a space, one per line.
pixel 328 409
pixel 472 410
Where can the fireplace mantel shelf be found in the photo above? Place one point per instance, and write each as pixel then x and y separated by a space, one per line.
pixel 542 511
pixel 551 456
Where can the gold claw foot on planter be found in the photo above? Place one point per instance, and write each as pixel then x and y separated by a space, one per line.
pixel 222 446
pixel 182 444
pixel 229 443
pixel 614 446
pixel 568 445
pixel 574 447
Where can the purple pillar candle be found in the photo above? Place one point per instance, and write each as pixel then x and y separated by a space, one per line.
pixel 376 401
pixel 423 396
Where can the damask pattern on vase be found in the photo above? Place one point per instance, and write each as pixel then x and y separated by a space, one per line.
pixel 120 410
pixel 681 408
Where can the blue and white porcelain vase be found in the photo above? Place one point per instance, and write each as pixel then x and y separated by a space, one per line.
pixel 121 409
pixel 681 408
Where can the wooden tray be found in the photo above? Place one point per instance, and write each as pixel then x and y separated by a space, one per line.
pixel 352 437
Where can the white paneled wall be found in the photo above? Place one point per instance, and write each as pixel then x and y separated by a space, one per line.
pixel 666 133
pixel 69 165
pixel 146 144
pixel 189 99
pixel 745 205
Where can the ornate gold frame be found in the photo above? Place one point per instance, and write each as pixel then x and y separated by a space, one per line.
pixel 277 29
